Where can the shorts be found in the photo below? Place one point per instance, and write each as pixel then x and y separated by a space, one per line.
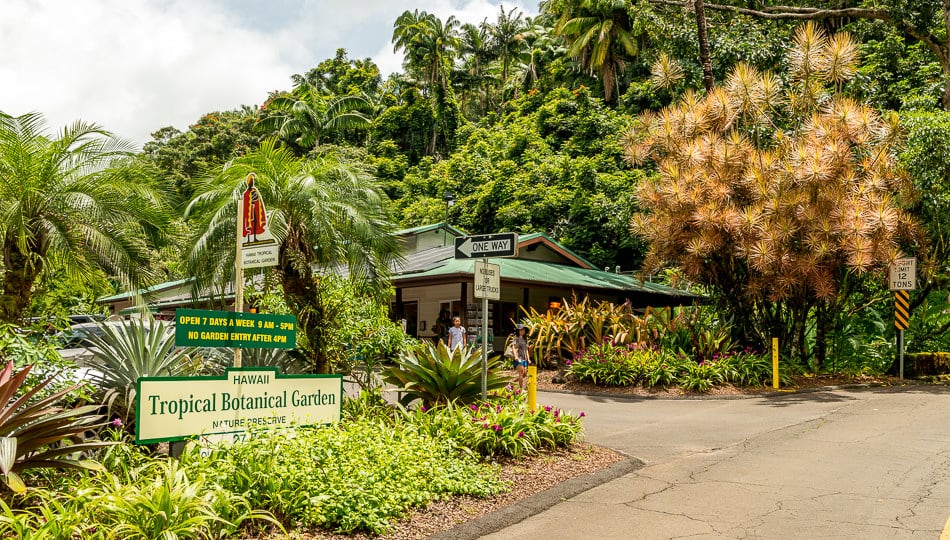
pixel 522 363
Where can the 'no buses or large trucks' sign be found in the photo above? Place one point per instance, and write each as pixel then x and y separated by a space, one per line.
pixel 177 408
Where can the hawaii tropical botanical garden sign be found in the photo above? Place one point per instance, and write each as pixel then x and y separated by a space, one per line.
pixel 179 408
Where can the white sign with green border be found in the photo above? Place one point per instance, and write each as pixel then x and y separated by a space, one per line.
pixel 178 408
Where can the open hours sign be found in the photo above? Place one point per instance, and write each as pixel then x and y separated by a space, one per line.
pixel 205 328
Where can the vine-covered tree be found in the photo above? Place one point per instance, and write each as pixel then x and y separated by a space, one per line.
pixel 778 197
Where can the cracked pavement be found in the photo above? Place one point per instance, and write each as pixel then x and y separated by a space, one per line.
pixel 860 463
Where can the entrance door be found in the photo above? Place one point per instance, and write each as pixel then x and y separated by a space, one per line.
pixel 411 314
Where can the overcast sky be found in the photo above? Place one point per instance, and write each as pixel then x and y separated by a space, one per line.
pixel 134 66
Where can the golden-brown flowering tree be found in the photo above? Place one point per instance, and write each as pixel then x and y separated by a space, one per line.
pixel 778 196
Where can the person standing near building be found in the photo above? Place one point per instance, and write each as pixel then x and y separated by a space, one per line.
pixel 519 348
pixel 456 333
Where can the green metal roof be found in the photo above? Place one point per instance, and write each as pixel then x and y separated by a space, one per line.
pixel 551 273
pixel 434 227
pixel 532 236
pixel 143 292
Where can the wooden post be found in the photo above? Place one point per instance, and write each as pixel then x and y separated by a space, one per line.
pixel 238 270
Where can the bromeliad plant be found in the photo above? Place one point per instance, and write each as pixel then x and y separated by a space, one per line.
pixel 437 374
pixel 37 433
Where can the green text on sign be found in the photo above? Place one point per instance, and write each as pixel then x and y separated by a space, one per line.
pixel 205 328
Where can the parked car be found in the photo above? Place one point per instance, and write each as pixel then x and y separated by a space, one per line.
pixel 76 341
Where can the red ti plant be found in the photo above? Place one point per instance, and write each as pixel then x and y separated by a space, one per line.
pixel 41 433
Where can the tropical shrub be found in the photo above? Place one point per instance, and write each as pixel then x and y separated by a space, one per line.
pixel 699 376
pixel 138 497
pixel 503 426
pixel 626 365
pixel 435 373
pixel 359 475
pixel 26 346
pixel 610 365
pixel 38 433
pixel 746 368
pixel 577 325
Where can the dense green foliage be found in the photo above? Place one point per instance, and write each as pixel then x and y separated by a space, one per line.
pixel 360 475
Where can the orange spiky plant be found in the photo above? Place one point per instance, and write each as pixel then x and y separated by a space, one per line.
pixel 775 195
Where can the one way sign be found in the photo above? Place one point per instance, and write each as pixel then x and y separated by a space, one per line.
pixel 486 245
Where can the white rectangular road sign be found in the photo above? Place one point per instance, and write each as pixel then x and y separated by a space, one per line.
pixel 487 281
pixel 486 245
pixel 903 274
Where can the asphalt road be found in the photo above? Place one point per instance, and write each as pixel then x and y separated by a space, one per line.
pixel 857 464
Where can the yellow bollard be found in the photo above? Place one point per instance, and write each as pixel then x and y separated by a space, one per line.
pixel 775 362
pixel 532 388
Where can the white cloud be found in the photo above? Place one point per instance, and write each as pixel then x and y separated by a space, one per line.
pixel 134 66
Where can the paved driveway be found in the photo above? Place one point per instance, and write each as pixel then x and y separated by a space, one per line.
pixel 871 463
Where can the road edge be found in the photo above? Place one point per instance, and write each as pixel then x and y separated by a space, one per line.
pixel 539 502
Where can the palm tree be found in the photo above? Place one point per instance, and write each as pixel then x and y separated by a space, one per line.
pixel 431 48
pixel 304 116
pixel 326 215
pixel 430 45
pixel 599 35
pixel 507 40
pixel 63 207
pixel 476 55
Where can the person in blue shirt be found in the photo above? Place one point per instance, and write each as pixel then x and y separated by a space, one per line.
pixel 456 333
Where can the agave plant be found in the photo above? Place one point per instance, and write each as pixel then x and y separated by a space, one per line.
pixel 36 432
pixel 437 374
pixel 132 349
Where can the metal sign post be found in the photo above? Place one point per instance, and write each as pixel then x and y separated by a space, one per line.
pixel 484 341
pixel 255 246
pixel 901 321
pixel 487 277
pixel 487 286
pixel 238 271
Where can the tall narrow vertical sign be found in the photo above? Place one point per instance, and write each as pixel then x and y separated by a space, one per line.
pixel 255 246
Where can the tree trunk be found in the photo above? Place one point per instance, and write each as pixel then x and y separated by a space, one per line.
pixel 18 280
pixel 823 322
pixel 303 298
pixel 945 64
pixel 703 36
